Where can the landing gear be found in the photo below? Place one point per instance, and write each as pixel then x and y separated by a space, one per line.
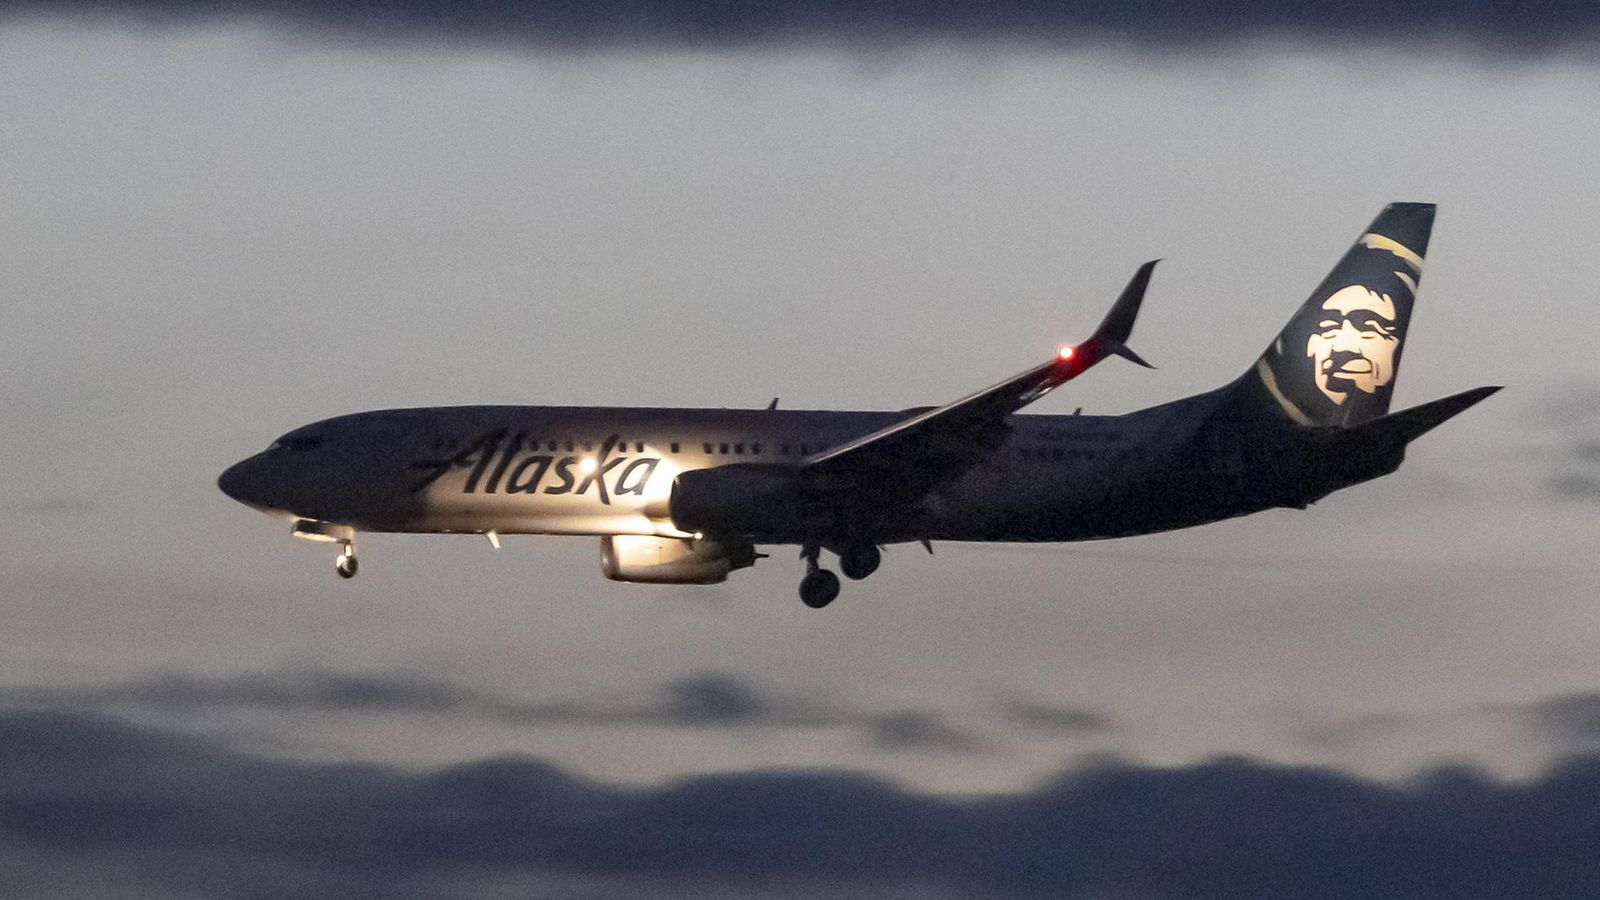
pixel 820 587
pixel 346 565
pixel 859 561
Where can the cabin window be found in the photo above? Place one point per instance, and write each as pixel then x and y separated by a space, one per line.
pixel 739 449
pixel 638 446
pixel 756 449
pixel 707 447
pixel 674 446
pixel 588 446
pixel 722 448
pixel 569 446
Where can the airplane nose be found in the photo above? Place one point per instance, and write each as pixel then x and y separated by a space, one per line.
pixel 242 481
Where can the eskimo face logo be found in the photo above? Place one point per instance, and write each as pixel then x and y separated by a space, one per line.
pixel 1353 347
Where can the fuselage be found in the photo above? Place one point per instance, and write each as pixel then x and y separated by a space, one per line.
pixel 610 470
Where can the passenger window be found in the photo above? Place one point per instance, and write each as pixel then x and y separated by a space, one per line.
pixel 707 447
pixel 569 446
pixel 638 446
pixel 674 446
pixel 756 449
pixel 739 449
pixel 722 448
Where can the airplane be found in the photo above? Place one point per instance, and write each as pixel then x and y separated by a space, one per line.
pixel 685 496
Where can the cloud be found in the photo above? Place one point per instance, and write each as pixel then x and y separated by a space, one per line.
pixel 1050 719
pixel 920 730
pixel 183 815
pixel 59 507
pixel 1357 730
pixel 1570 415
pixel 1572 717
pixel 1508 27
pixel 700 700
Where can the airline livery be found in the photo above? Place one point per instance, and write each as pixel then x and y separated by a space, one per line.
pixel 685 496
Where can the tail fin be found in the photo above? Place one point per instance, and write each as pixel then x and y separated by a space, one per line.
pixel 1335 362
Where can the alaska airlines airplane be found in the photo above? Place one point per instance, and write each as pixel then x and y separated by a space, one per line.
pixel 685 496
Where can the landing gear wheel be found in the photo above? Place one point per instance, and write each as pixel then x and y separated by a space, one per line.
pixel 346 564
pixel 819 588
pixel 858 562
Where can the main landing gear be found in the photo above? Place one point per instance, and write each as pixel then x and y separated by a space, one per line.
pixel 820 587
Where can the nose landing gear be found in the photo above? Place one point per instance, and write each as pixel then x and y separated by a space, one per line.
pixel 346 564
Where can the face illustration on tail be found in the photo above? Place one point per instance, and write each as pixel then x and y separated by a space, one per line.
pixel 1356 342
pixel 1335 363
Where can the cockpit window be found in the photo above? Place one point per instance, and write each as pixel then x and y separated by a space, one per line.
pixel 297 444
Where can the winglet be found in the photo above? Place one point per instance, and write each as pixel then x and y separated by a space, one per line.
pixel 1112 335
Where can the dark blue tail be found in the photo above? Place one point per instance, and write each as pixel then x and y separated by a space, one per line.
pixel 1335 362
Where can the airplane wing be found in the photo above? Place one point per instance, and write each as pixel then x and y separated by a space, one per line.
pixel 937 444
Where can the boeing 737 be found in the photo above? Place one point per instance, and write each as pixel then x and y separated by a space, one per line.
pixel 685 496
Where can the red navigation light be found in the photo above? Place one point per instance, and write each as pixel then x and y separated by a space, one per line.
pixel 1066 352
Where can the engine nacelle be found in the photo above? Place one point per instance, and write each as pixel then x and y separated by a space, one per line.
pixel 749 499
pixel 659 560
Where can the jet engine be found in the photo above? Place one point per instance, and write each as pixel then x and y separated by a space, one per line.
pixel 657 560
pixel 749 499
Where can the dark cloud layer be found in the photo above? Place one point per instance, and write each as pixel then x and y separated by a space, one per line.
pixel 1512 27
pixel 177 813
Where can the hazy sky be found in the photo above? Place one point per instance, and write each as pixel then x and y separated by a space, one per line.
pixel 211 233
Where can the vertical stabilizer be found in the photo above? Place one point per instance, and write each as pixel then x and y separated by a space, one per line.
pixel 1335 362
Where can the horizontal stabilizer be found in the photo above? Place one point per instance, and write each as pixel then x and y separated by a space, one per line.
pixel 1401 428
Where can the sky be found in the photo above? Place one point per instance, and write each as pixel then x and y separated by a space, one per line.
pixel 222 221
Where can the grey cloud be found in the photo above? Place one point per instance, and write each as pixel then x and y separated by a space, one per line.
pixel 62 507
pixel 715 698
pixel 1050 719
pixel 288 689
pixel 182 815
pixel 1506 27
pixel 907 730
pixel 1572 415
pixel 1356 730
pixel 1575 486
pixel 1573 717
pixel 702 700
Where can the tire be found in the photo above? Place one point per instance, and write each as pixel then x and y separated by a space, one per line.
pixel 819 588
